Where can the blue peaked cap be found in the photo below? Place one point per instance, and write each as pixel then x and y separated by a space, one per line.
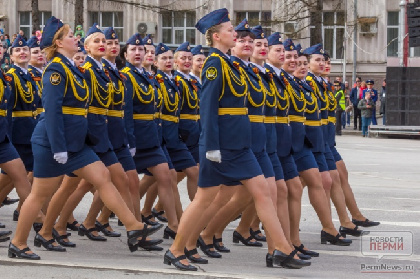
pixel 184 47
pixel 211 19
pixel 19 42
pixel 80 47
pixel 93 29
pixel 197 50
pixel 148 40
pixel 243 26
pixel 258 32
pixel 33 42
pixel 275 39
pixel 52 25
pixel 315 49
pixel 161 48
pixel 299 49
pixel 289 45
pixel 110 34
pixel 135 40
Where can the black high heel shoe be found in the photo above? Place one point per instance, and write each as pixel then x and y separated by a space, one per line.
pixel 73 226
pixel 303 256
pixel 335 240
pixel 354 232
pixel 37 227
pixel 105 231
pixel 168 233
pixel 16 252
pixel 88 232
pixel 365 223
pixel 15 215
pixel 159 215
pixel 190 255
pixel 206 249
pixel 132 236
pixel 269 260
pixel 60 239
pixel 169 259
pixel 306 252
pixel 256 235
pixel 4 235
pixel 220 247
pixel 148 245
pixel 47 244
pixel 2 226
pixel 245 241
pixel 288 261
pixel 148 220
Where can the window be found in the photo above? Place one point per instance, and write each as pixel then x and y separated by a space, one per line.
pixel 256 18
pixel 109 19
pixel 178 27
pixel 332 33
pixel 392 33
pixel 25 22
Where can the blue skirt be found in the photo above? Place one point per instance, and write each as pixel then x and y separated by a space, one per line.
pixel 289 167
pixel 108 158
pixel 124 157
pixel 275 162
pixel 330 158
pixel 194 150
pixel 181 158
pixel 236 165
pixel 147 158
pixel 265 163
pixel 304 159
pixel 168 158
pixel 46 166
pixel 25 153
pixel 321 161
pixel 337 156
pixel 7 152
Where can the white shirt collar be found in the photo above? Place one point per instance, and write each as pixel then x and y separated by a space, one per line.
pixel 113 65
pixel 98 63
pixel 184 75
pixel 194 76
pixel 169 76
pixel 70 60
pixel 141 71
pixel 25 71
pixel 276 70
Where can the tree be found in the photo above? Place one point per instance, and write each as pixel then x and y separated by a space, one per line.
pixel 78 12
pixel 35 16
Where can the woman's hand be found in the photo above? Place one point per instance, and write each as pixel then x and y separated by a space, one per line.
pixel 214 155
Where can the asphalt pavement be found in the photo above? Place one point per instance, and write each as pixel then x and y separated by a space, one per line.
pixel 385 177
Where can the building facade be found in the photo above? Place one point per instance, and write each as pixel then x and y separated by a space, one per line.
pixel 172 22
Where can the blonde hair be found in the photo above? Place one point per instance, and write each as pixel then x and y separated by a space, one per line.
pixel 210 32
pixel 89 38
pixel 176 54
pixel 52 49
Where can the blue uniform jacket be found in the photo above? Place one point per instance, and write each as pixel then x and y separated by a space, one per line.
pixel 140 99
pixel 332 107
pixel 26 100
pixel 5 112
pixel 116 125
pixel 100 97
pixel 283 130
pixel 297 105
pixel 313 114
pixel 37 76
pixel 170 107
pixel 256 104
pixel 231 132
pixel 189 130
pixel 62 132
pixel 373 94
pixel 270 110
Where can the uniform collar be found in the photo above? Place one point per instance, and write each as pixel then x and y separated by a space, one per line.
pixel 113 65
pixel 141 70
pixel 276 70
pixel 262 69
pixel 187 77
pixel 194 76
pixel 25 71
pixel 99 64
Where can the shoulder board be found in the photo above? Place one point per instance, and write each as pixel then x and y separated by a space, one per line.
pixel 56 60
pixel 215 54
pixel 11 71
pixel 87 65
pixel 125 70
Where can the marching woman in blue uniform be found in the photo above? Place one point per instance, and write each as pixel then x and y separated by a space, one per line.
pixel 141 106
pixel 79 57
pixel 36 65
pixel 302 155
pixel 10 161
pixel 225 141
pixel 198 61
pixel 59 150
pixel 170 114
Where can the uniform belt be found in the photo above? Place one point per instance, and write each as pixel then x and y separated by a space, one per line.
pixel 116 113
pixel 169 118
pixel 138 116
pixel 233 111
pixel 39 110
pixel 96 110
pixel 194 117
pixel 75 111
pixel 282 119
pixel 3 112
pixel 270 119
pixel 296 118
pixel 332 119
pixel 24 113
pixel 324 121
pixel 157 115
pixel 256 118
pixel 313 122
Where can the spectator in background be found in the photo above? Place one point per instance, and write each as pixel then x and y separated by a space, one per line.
pixel 6 65
pixel 347 113
pixel 366 106
pixel 355 98
pixel 341 106
pixel 382 98
pixel 13 38
pixel 362 88
pixel 23 34
pixel 373 97
pixel 7 40
pixel 38 34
